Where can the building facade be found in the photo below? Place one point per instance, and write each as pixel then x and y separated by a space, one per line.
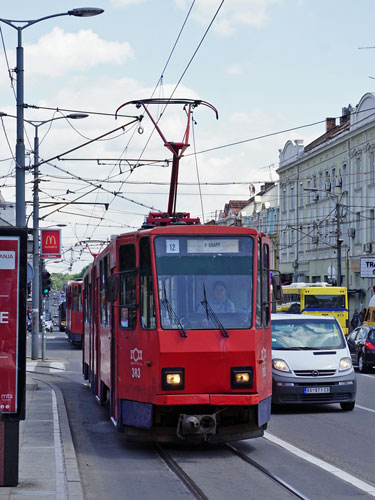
pixel 7 212
pixel 327 209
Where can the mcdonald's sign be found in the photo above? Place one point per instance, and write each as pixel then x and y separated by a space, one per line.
pixel 50 243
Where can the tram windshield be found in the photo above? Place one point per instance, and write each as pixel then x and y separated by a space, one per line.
pixel 198 275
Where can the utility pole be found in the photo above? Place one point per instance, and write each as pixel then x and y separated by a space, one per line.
pixel 338 241
pixel 338 230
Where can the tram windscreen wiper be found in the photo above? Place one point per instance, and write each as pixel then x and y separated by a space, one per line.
pixel 212 315
pixel 171 313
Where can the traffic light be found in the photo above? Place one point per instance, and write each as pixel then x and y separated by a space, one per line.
pixel 46 282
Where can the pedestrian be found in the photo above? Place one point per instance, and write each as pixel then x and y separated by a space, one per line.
pixel 362 315
pixel 355 321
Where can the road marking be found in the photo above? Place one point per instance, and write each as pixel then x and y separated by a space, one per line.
pixel 364 408
pixel 362 485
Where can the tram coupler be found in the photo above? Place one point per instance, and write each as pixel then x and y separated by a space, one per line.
pixel 196 425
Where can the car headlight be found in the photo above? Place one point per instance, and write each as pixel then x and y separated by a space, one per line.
pixel 172 379
pixel 280 365
pixel 345 364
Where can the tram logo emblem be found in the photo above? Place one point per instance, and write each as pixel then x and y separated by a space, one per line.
pixel 136 355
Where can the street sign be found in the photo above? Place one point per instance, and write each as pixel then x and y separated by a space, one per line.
pixel 331 272
pixel 50 243
pixel 367 267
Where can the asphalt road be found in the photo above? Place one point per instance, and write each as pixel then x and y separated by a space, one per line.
pixel 320 451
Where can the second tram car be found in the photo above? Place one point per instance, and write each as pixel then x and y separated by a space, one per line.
pixel 62 317
pixel 74 312
pixel 173 361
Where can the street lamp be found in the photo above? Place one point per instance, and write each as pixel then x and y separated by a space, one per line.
pixel 338 229
pixel 20 146
pixel 36 302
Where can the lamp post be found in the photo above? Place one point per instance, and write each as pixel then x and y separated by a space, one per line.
pixel 20 25
pixel 338 230
pixel 36 302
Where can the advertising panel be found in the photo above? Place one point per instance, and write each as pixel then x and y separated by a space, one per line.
pixel 9 322
pixel 50 243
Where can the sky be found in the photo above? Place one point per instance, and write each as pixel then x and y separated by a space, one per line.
pixel 270 67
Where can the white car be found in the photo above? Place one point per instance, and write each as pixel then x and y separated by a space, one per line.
pixel 311 362
pixel 48 325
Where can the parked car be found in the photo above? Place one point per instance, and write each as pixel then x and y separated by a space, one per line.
pixel 311 362
pixel 361 342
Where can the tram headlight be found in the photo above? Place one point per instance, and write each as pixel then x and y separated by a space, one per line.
pixel 241 377
pixel 280 365
pixel 172 378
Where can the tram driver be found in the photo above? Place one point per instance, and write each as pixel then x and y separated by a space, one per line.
pixel 221 303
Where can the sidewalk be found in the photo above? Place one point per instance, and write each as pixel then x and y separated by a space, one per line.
pixel 48 467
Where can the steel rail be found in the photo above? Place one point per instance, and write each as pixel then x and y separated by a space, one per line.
pixel 271 475
pixel 179 472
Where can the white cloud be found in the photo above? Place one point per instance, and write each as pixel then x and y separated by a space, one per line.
pixel 124 3
pixel 232 14
pixel 235 69
pixel 59 53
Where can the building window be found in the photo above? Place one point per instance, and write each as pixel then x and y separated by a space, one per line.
pixel 358 172
pixel 300 195
pixel 372 226
pixel 308 193
pixel 291 190
pixel 358 238
pixel 372 167
pixel 333 180
pixel 344 178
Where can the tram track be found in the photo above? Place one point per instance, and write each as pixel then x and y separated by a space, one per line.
pixel 197 492
pixel 180 473
pixel 293 491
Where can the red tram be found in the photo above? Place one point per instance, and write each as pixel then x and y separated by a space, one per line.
pixel 170 362
pixel 177 333
pixel 74 312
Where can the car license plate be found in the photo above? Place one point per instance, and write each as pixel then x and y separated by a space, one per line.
pixel 316 390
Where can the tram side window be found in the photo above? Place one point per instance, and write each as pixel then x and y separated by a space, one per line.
pixel 148 314
pixel 86 301
pixel 266 286
pixel 77 298
pixel 128 287
pixel 258 310
pixel 104 305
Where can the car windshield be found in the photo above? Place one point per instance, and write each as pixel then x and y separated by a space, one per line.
pixel 296 334
pixel 204 281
